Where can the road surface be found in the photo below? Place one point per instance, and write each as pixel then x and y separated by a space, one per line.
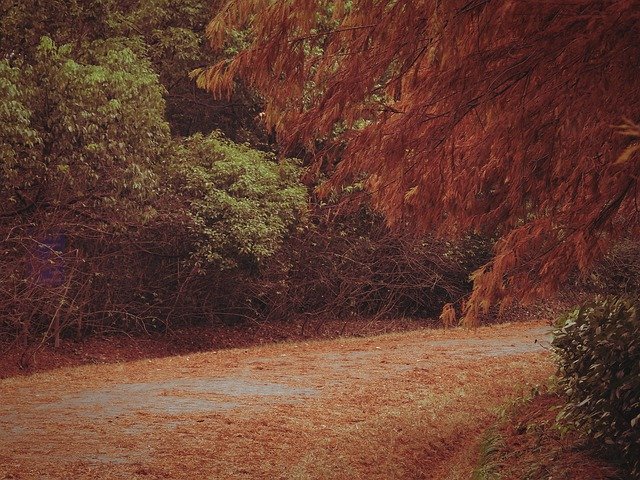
pixel 407 405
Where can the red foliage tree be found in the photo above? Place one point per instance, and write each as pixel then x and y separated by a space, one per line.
pixel 467 115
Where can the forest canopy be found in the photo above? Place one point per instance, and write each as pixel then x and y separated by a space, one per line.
pixel 511 119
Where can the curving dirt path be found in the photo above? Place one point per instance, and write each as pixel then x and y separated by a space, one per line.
pixel 399 406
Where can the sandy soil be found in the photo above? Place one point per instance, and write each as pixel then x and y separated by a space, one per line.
pixel 406 405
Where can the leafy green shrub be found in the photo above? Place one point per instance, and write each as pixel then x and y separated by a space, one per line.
pixel 98 117
pixel 83 132
pixel 240 201
pixel 168 33
pixel 598 345
pixel 19 139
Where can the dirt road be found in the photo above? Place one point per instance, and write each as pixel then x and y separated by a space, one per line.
pixel 402 406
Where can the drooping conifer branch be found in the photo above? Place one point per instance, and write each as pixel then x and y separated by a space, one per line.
pixel 491 117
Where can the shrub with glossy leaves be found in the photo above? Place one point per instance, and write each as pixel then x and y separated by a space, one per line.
pixel 598 345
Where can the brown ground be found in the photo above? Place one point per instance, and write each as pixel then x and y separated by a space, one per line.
pixel 119 346
pixel 404 405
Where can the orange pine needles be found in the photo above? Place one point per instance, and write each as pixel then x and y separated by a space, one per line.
pixel 465 116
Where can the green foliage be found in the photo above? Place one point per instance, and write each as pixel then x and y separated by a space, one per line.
pixel 491 444
pixel 172 35
pixel 93 125
pixel 169 34
pixel 23 23
pixel 241 201
pixel 88 160
pixel 598 345
pixel 172 30
pixel 19 139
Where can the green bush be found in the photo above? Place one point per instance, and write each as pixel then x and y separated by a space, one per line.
pixel 241 202
pixel 80 127
pixel 598 345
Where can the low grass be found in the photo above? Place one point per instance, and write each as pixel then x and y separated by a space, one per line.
pixel 490 447
pixel 527 443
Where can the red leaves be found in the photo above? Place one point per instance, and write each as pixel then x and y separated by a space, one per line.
pixel 496 115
